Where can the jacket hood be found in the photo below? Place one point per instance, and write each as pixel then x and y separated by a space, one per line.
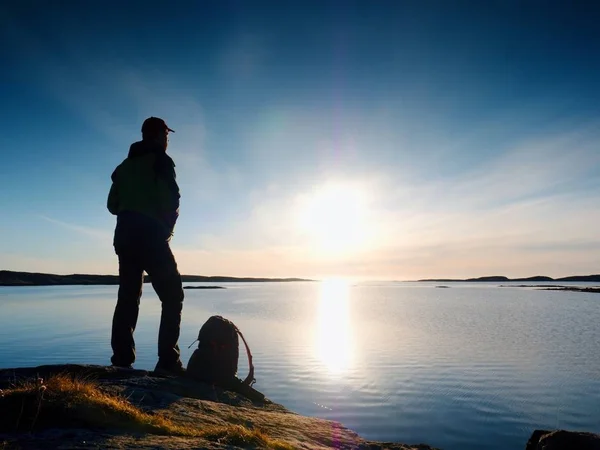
pixel 142 148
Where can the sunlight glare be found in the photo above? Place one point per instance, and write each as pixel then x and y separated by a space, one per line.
pixel 334 340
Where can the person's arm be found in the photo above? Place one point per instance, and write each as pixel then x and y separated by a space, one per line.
pixel 112 203
pixel 169 191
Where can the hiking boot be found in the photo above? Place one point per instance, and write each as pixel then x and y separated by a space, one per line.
pixel 127 367
pixel 175 368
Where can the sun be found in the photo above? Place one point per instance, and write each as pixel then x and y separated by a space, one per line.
pixel 335 218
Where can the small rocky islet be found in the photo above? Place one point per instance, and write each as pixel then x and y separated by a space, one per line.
pixel 204 287
pixel 557 287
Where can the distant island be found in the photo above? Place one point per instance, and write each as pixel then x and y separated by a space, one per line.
pixel 11 278
pixel 204 287
pixel 502 279
pixel 556 287
pixel 572 289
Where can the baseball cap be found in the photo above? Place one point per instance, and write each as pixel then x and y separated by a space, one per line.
pixel 152 124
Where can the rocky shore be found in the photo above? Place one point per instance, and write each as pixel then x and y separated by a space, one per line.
pixel 96 407
pixel 93 407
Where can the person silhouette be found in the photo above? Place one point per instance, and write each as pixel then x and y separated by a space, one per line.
pixel 144 196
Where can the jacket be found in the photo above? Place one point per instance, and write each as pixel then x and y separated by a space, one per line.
pixel 144 187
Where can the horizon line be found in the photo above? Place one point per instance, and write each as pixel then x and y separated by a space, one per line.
pixel 309 279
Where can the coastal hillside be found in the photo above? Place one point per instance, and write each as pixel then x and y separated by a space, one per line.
pixel 11 278
pixel 503 279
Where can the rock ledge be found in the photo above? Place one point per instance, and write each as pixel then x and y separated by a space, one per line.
pixel 186 403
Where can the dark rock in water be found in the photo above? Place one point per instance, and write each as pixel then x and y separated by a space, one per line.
pixel 534 439
pixel 532 285
pixel 563 440
pixel 556 287
pixel 203 287
pixel 594 289
pixel 443 287
pixel 127 408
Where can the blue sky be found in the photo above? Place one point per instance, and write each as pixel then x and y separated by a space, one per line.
pixel 386 139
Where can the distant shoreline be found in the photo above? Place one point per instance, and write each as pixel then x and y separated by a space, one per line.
pixel 538 278
pixel 556 287
pixel 204 287
pixel 12 278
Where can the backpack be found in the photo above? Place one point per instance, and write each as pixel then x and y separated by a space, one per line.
pixel 215 361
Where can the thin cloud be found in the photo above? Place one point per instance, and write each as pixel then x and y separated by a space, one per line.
pixel 88 86
pixel 81 229
pixel 60 266
pixel 243 57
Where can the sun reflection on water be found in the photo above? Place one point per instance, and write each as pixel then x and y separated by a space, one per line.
pixel 334 333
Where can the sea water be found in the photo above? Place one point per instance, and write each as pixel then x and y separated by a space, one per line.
pixel 467 367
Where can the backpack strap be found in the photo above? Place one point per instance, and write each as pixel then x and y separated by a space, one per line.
pixel 250 380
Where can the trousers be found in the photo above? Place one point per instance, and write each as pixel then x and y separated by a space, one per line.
pixel 140 252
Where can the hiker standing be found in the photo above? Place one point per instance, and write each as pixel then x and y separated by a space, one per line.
pixel 145 198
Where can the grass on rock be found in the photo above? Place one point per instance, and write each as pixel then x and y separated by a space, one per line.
pixel 66 401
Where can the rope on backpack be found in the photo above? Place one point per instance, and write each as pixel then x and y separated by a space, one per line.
pixel 250 380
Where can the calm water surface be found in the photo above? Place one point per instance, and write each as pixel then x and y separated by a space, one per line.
pixel 459 368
